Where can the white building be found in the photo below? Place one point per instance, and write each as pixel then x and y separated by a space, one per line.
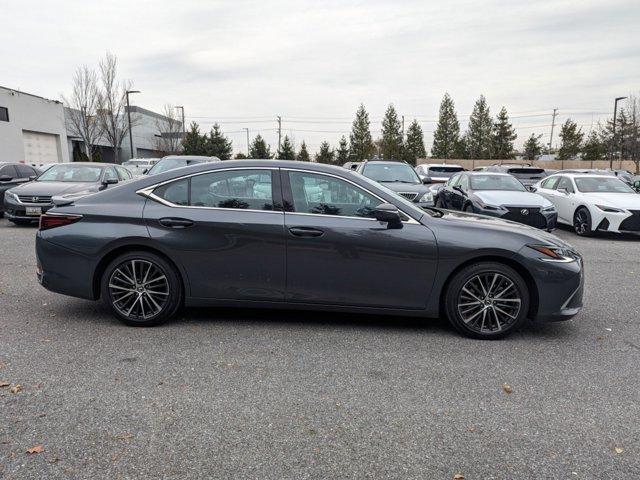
pixel 36 130
pixel 32 128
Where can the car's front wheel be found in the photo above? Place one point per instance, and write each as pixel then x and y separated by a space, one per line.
pixel 487 300
pixel 142 289
pixel 582 222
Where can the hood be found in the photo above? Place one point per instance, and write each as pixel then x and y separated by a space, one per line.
pixel 54 188
pixel 629 201
pixel 406 187
pixel 512 199
pixel 482 222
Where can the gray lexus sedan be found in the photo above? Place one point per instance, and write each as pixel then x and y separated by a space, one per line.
pixel 284 234
pixel 25 203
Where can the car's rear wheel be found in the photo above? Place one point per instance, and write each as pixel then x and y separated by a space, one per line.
pixel 582 222
pixel 487 300
pixel 438 203
pixel 141 289
pixel 468 208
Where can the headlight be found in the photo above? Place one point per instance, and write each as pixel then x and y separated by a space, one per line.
pixel 12 196
pixel 550 208
pixel 604 208
pixel 427 197
pixel 551 253
pixel 489 207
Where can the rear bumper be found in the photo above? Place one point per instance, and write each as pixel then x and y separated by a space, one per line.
pixel 64 271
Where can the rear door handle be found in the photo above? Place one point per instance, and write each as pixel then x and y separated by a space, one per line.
pixel 176 222
pixel 306 232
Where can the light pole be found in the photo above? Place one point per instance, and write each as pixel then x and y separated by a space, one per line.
pixel 184 131
pixel 129 119
pixel 247 141
pixel 613 140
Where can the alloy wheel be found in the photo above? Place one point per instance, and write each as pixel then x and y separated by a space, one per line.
pixel 581 222
pixel 489 302
pixel 139 289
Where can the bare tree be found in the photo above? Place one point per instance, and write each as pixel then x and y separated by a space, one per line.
pixel 112 104
pixel 82 111
pixel 170 131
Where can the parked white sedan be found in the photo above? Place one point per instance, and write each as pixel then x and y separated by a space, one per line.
pixel 592 203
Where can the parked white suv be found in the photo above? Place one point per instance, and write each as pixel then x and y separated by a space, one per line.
pixel 139 166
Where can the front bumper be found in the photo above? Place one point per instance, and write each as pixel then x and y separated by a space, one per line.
pixel 617 222
pixel 18 211
pixel 535 217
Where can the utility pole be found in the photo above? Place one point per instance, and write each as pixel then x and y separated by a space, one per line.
pixel 184 131
pixel 247 142
pixel 553 124
pixel 279 133
pixel 129 119
pixel 403 128
pixel 613 140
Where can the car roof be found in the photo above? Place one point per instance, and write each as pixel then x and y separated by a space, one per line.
pixel 483 173
pixel 455 165
pixel 386 162
pixel 189 157
pixel 88 164
pixel 580 175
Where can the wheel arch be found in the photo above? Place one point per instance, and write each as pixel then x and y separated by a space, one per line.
pixel 534 296
pixel 122 249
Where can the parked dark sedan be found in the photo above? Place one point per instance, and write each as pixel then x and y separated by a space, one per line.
pixel 12 175
pixel 303 236
pixel 25 203
pixel 401 178
pixel 497 195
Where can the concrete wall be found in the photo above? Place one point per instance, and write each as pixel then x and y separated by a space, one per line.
pixel 34 114
pixel 551 164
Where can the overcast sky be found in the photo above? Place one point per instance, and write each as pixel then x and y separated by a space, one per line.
pixel 236 61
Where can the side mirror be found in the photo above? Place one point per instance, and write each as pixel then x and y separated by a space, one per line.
pixel 458 189
pixel 145 171
pixel 563 190
pixel 636 185
pixel 531 188
pixel 32 177
pixel 110 181
pixel 388 213
pixel 5 178
pixel 426 180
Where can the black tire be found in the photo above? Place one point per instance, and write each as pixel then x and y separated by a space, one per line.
pixel 468 208
pixel 438 203
pixel 582 222
pixel 490 308
pixel 167 293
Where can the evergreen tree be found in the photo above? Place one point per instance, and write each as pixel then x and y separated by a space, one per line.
pixel 414 146
pixel 447 134
pixel 342 154
pixel 503 136
pixel 593 148
pixel 479 134
pixel 532 147
pixel 360 142
pixel 303 154
pixel 287 152
pixel 259 148
pixel 325 154
pixel 462 147
pixel 194 143
pixel 391 142
pixel 218 145
pixel 240 156
pixel 571 140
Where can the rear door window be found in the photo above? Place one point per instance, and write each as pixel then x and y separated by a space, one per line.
pixel 9 171
pixel 565 182
pixel 25 171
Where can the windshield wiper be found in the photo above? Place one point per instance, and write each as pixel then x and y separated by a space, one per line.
pixel 395 181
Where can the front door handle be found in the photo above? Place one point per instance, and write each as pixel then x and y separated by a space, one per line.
pixel 172 222
pixel 306 232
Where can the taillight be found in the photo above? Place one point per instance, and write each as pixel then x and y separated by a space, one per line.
pixel 48 221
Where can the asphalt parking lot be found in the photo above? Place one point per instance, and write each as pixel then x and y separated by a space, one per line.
pixel 272 395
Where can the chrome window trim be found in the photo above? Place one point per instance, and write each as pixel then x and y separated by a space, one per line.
pixel 148 193
pixel 288 169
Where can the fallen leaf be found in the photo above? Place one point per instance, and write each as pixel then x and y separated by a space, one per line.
pixel 472 429
pixel 36 449
pixel 16 388
pixel 507 388
pixel 124 436
pixel 458 476
pixel 618 450
pixel 599 338
pixel 4 384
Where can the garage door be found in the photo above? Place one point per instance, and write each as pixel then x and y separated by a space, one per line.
pixel 40 148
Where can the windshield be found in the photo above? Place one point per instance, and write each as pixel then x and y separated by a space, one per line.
pixel 71 173
pixel 443 172
pixel 386 172
pixel 167 164
pixel 496 182
pixel 133 163
pixel 525 171
pixel 602 185
pixel 407 206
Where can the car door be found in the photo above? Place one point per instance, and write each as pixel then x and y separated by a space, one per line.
pixel 226 229
pixel 338 254
pixel 565 199
pixel 446 192
pixel 459 192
